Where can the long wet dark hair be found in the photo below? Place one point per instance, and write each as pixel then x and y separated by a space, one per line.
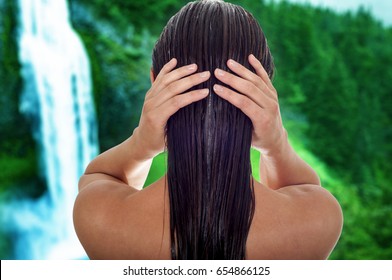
pixel 208 142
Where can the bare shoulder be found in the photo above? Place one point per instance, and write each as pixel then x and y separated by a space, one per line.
pixel 295 222
pixel 306 197
pixel 112 220
pixel 318 216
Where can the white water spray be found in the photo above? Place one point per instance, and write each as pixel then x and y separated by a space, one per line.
pixel 57 96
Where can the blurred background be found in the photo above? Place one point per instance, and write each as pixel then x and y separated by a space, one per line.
pixel 73 76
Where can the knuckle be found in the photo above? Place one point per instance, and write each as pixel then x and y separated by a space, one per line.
pixel 275 108
pixel 249 87
pixel 235 83
pixel 175 103
pixel 195 80
pixel 146 107
pixel 255 79
pixel 179 72
pixel 149 92
pixel 164 81
pixel 243 102
pixel 263 87
pixel 193 94
pixel 149 119
pixel 171 88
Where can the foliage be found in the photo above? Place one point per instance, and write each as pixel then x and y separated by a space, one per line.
pixel 152 14
pixel 120 60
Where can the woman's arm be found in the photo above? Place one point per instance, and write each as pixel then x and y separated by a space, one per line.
pixel 126 163
pixel 129 162
pixel 280 166
pixel 284 167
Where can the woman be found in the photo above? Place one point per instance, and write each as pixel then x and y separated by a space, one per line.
pixel 211 99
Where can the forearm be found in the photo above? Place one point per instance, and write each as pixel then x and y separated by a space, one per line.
pixel 284 167
pixel 126 162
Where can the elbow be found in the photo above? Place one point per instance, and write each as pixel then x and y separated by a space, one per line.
pixel 83 182
pixel 312 177
pixel 316 179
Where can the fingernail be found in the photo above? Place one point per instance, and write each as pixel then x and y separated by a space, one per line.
pixel 204 91
pixel 218 88
pixel 192 67
pixel 220 72
pixel 252 57
pixel 204 74
pixel 232 63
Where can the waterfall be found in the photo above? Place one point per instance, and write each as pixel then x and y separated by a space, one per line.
pixel 57 97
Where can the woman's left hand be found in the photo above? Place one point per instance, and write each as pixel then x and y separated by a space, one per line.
pixel 165 97
pixel 259 101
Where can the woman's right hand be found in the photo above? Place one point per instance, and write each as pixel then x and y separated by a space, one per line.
pixel 164 99
pixel 281 166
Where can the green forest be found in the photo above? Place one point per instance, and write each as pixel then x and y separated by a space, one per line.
pixel 333 77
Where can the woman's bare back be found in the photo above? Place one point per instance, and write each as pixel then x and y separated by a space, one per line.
pixel 295 222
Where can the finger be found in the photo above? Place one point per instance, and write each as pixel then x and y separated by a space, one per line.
pixel 174 104
pixel 245 104
pixel 167 78
pixel 186 83
pixel 181 86
pixel 260 71
pixel 168 67
pixel 245 73
pixel 243 86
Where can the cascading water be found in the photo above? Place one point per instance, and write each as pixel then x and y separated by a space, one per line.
pixel 57 96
